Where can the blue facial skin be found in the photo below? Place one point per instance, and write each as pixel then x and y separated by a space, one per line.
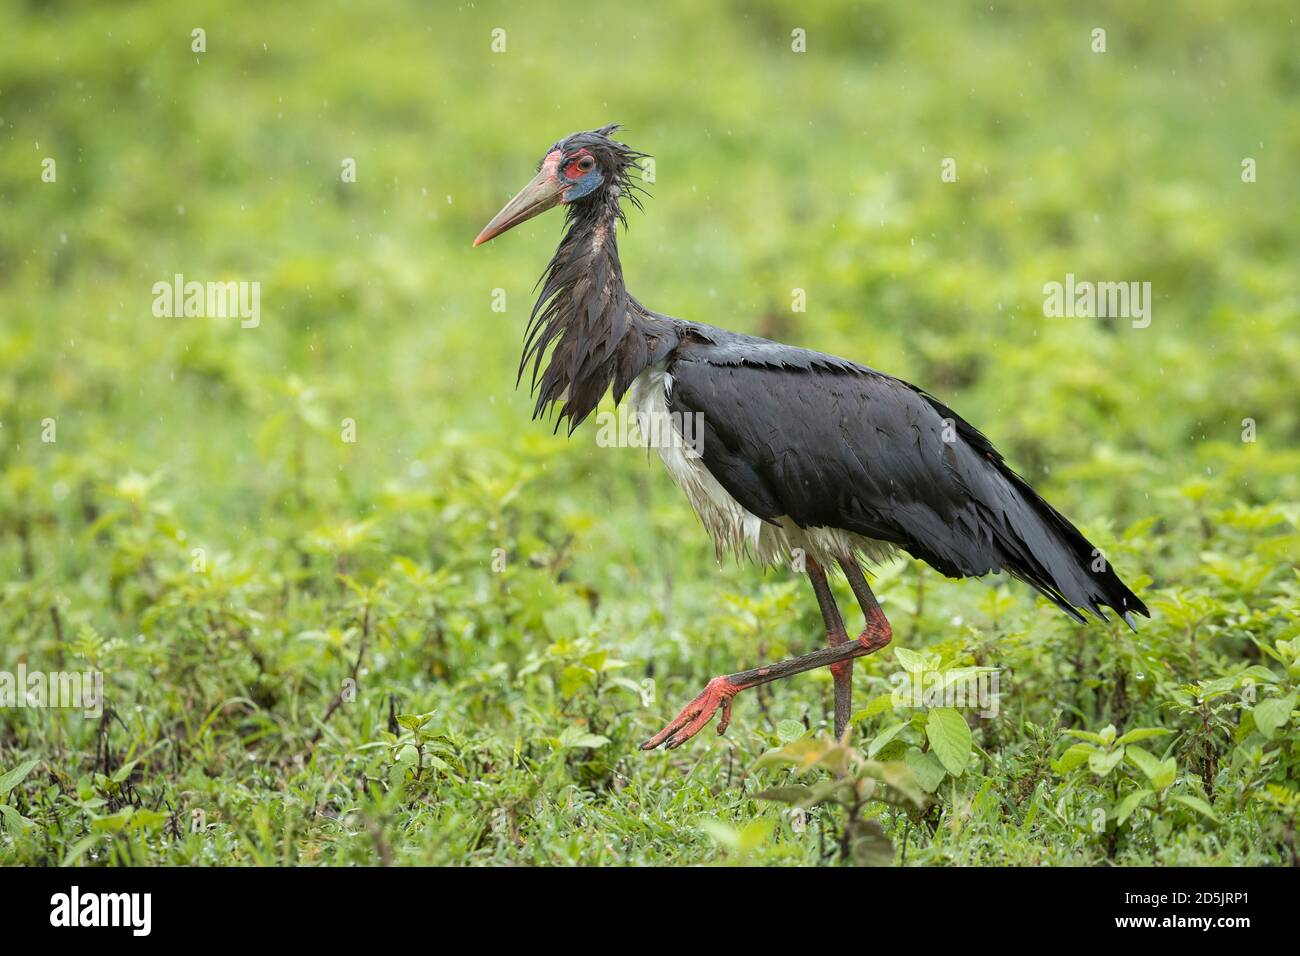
pixel 584 186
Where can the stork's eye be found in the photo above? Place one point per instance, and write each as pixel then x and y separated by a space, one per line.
pixel 579 166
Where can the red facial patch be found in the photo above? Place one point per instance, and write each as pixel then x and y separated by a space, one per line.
pixel 575 168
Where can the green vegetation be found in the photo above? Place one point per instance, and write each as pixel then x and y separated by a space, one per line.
pixel 308 654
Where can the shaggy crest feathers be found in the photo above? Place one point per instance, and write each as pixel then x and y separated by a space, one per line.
pixel 584 312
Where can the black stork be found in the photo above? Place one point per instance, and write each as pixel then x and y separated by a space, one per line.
pixel 798 450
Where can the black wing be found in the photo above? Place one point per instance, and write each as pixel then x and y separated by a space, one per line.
pixel 833 444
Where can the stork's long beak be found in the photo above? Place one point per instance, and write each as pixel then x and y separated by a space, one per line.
pixel 538 196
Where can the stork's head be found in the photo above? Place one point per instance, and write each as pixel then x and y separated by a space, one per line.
pixel 583 169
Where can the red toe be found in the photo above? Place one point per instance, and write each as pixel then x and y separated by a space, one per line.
pixel 696 715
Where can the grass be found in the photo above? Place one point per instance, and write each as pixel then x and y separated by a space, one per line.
pixel 443 641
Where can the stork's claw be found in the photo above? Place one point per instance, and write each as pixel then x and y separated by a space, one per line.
pixel 696 715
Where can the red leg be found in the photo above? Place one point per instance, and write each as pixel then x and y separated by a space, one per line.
pixel 696 715
pixel 878 632
pixel 836 635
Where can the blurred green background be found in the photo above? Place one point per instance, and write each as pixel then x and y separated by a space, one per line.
pixel 774 170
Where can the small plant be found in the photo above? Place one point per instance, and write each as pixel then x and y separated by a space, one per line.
pixel 935 740
pixel 415 752
pixel 1107 756
pixel 860 787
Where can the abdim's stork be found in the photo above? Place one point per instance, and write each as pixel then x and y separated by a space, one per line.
pixel 799 450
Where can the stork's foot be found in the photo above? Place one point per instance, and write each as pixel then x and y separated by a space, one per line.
pixel 696 715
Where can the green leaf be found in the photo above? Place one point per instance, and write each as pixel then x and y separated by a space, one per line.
pixel 949 737
pixel 804 753
pixel 753 835
pixel 13 820
pixel 900 778
pixel 1104 761
pixel 1139 758
pixel 926 768
pixel 1143 733
pixel 1074 756
pixel 1088 736
pixel 1129 804
pixel 877 705
pixel 911 661
pixel 78 850
pixel 722 834
pixel 788 730
pixel 1270 716
pixel 577 738
pixel 16 776
pixel 885 736
pixel 1167 775
pixel 756 833
pixel 869 846
pixel 414 721
pixel 1160 773
pixel 574 678
pixel 1258 672
pixel 113 822
pixel 795 795
pixel 1197 804
pixel 144 819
